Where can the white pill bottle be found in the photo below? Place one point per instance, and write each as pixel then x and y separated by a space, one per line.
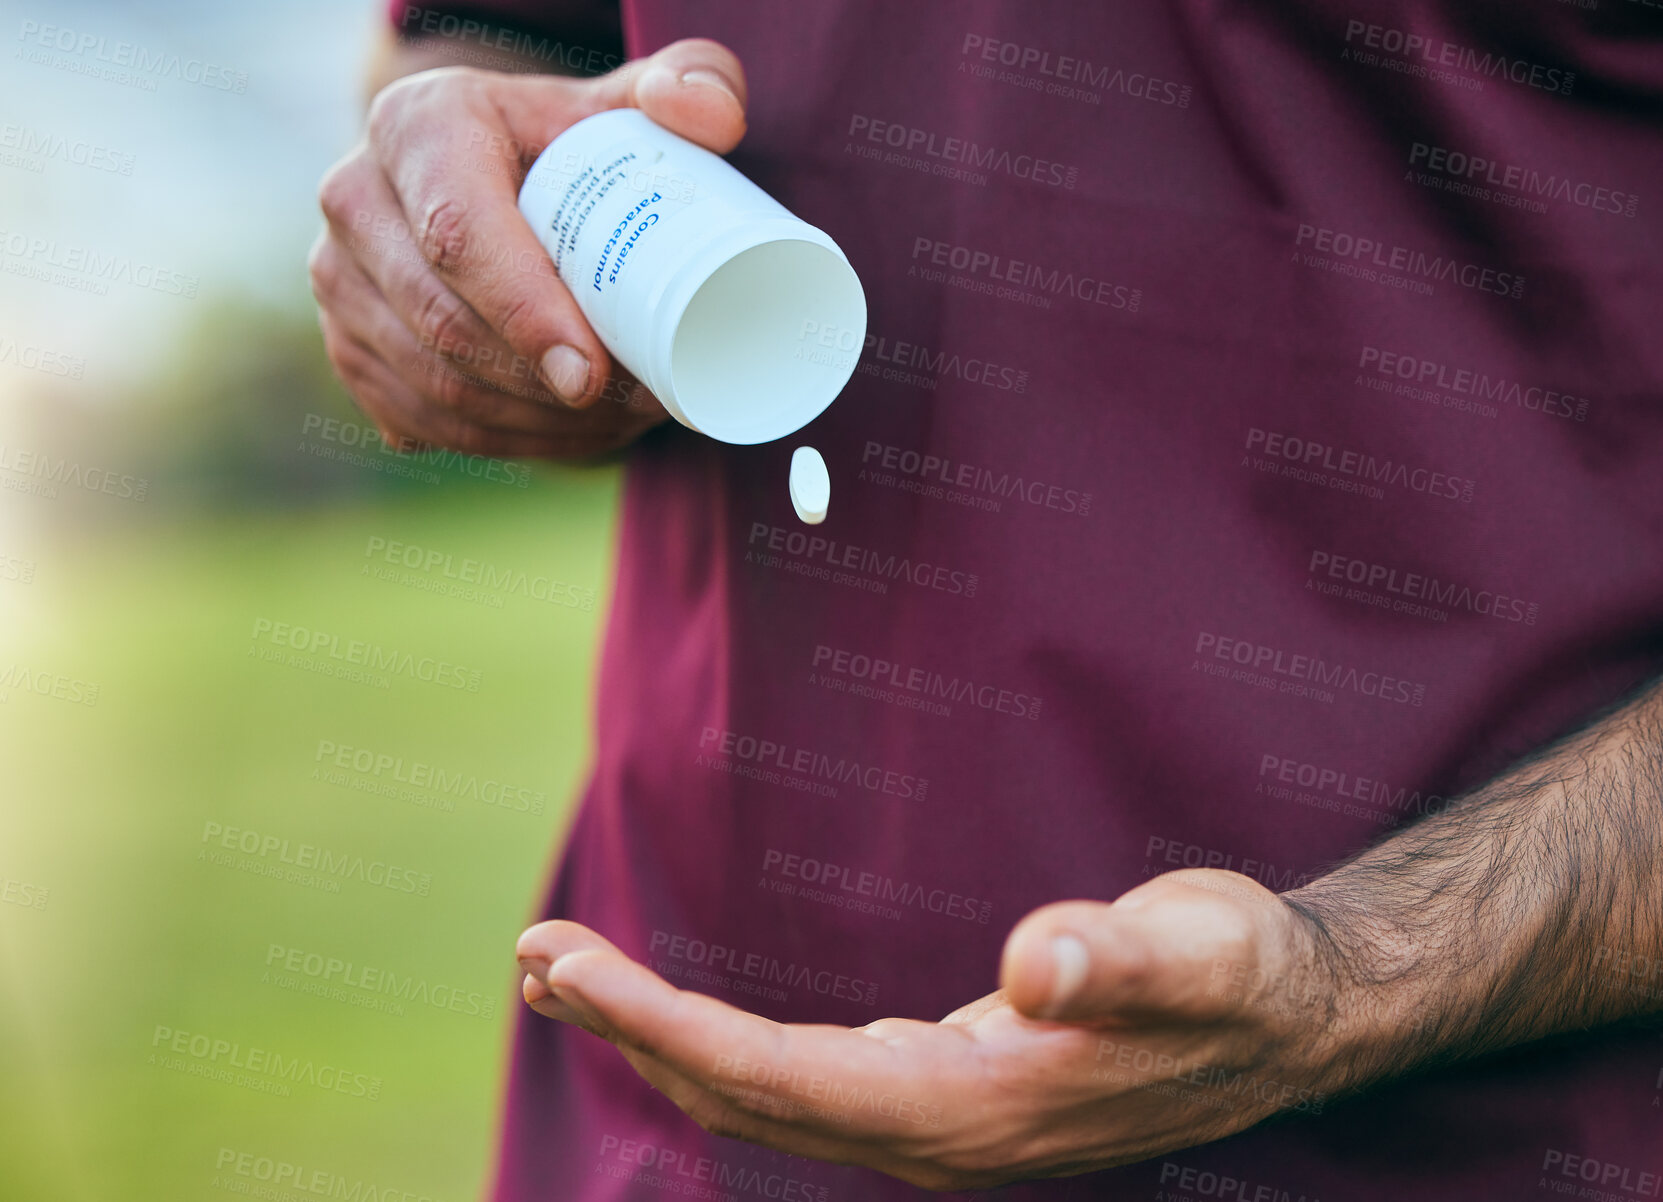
pixel 744 320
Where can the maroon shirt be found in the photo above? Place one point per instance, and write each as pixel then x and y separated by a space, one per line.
pixel 1257 442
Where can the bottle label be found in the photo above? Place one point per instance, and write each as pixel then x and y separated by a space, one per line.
pixel 608 207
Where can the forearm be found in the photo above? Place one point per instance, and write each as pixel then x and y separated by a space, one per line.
pixel 1512 915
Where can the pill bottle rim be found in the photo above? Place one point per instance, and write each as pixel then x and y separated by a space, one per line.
pixel 680 284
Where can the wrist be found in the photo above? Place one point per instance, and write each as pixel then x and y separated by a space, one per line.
pixel 1372 1015
pixel 1295 1004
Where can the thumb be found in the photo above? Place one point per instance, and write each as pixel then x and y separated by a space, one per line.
pixel 694 87
pixel 1167 949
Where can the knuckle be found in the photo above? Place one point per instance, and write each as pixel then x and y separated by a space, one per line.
pixel 336 345
pixel 523 322
pixel 346 370
pixel 394 104
pixel 444 234
pixel 452 80
pixel 323 269
pixel 448 386
pixel 340 189
pixel 320 271
pixel 419 101
pixel 443 321
pixel 386 111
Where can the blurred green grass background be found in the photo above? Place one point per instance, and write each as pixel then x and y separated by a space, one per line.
pixel 215 400
pixel 107 813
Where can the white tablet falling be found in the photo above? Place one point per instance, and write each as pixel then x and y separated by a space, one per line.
pixel 810 485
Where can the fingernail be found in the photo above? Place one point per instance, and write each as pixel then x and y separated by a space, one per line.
pixel 1070 961
pixel 566 369
pixel 708 78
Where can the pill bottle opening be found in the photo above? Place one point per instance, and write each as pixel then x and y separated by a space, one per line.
pixel 768 341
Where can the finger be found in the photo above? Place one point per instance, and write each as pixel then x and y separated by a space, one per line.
pixel 537 948
pixel 351 361
pixel 468 227
pixel 535 987
pixel 541 999
pixel 819 1091
pixel 1155 953
pixel 691 1032
pixel 520 404
pixel 707 1039
pixel 364 214
pixel 738 1110
pixel 694 87
pixel 409 420
pixel 541 944
pixel 450 385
